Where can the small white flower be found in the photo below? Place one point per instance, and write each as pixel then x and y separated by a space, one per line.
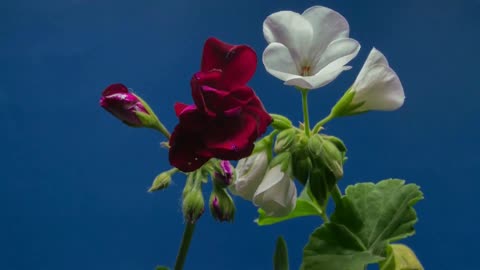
pixel 250 172
pixel 308 50
pixel 277 194
pixel 377 86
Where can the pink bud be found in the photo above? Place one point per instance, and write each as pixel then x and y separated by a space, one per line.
pixel 122 104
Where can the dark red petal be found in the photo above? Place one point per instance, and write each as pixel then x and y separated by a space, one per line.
pixel 238 62
pixel 200 79
pixel 231 138
pixel 193 120
pixel 180 107
pixel 115 89
pixel 184 150
pixel 255 109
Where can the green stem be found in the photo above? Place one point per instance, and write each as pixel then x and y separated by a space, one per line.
pixel 322 122
pixel 160 127
pixel 182 252
pixel 306 120
pixel 336 195
pixel 324 216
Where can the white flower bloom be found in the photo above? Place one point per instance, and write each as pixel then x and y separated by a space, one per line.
pixel 250 172
pixel 308 50
pixel 277 194
pixel 377 86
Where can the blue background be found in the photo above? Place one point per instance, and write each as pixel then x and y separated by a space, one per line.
pixel 74 179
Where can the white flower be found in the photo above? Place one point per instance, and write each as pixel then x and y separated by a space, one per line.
pixel 377 86
pixel 250 172
pixel 277 194
pixel 308 50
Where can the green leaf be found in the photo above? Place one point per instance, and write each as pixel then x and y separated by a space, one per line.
pixel 162 268
pixel 280 258
pixel 305 207
pixel 369 217
pixel 400 257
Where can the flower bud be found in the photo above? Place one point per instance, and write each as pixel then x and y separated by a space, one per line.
pixel 250 172
pixel 326 153
pixel 321 183
pixel 284 140
pixel 162 181
pixel 377 87
pixel 277 194
pixel 280 122
pixel 301 161
pixel 223 176
pixel 221 205
pixel 124 105
pixel 193 205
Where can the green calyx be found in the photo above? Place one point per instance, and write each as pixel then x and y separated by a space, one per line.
pixel 280 122
pixel 284 160
pixel 163 180
pixel 193 205
pixel 284 140
pixel 150 119
pixel 344 106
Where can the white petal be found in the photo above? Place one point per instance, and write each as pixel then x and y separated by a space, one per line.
pixel 332 63
pixel 250 172
pixel 277 194
pixel 380 89
pixel 279 62
pixel 328 25
pixel 290 29
pixel 375 57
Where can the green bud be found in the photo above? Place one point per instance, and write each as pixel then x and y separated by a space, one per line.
pixel 325 153
pixel 193 205
pixel 162 181
pixel 321 183
pixel 280 122
pixel 332 158
pixel 301 161
pixel 284 160
pixel 188 185
pixel 302 165
pixel 221 205
pixel 265 144
pixel 284 140
pixel 338 143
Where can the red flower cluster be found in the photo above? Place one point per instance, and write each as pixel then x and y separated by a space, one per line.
pixel 227 116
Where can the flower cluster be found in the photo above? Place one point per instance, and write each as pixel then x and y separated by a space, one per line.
pixel 307 51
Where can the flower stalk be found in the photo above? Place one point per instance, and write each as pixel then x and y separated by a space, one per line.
pixel 306 120
pixel 186 239
pixel 318 126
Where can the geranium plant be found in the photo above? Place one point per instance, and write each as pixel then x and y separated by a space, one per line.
pixel 227 121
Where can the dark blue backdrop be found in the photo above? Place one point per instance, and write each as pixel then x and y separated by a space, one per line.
pixel 74 179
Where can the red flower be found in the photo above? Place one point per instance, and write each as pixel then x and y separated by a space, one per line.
pixel 227 116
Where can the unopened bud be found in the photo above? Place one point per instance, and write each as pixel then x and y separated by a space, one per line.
pixel 301 161
pixel 326 153
pixel 284 140
pixel 193 205
pixel 223 176
pixel 221 205
pixel 280 122
pixel 321 183
pixel 162 181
